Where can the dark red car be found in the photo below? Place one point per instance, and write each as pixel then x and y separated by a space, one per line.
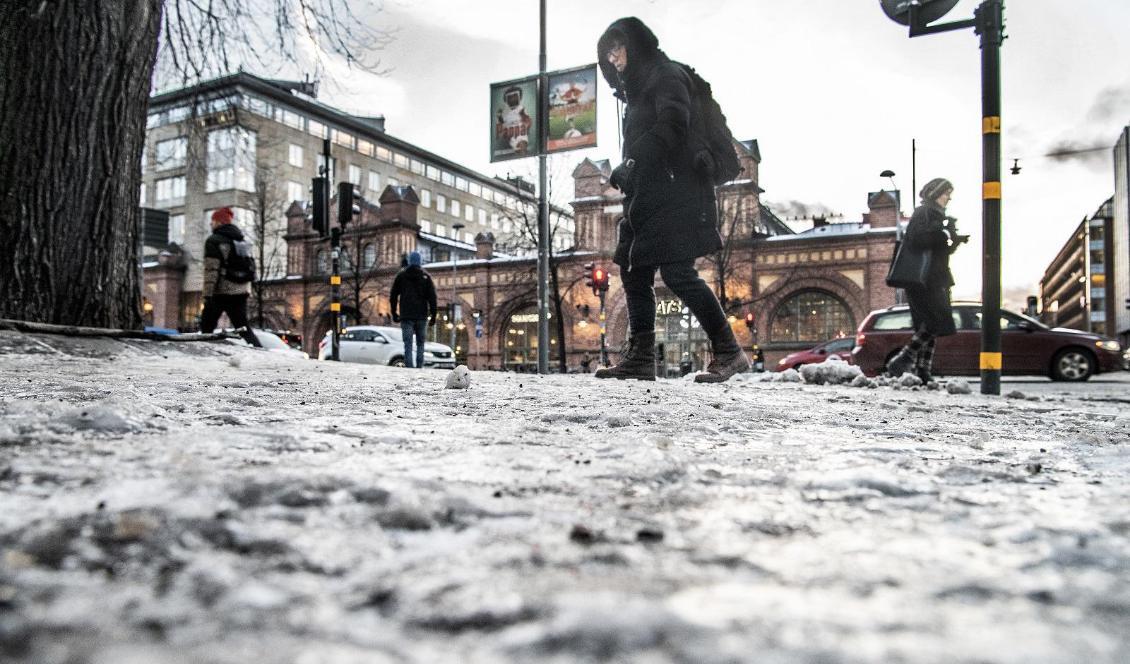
pixel 817 354
pixel 1028 346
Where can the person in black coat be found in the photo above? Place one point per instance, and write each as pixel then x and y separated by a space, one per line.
pixel 930 310
pixel 413 305
pixel 670 216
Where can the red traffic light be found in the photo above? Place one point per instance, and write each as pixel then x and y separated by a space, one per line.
pixel 749 319
pixel 598 276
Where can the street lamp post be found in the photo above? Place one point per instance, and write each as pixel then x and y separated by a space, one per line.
pixel 455 228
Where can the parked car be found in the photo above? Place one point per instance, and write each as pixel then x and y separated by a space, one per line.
pixel 374 344
pixel 271 342
pixel 841 347
pixel 1028 346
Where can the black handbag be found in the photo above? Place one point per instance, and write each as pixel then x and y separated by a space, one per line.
pixel 909 268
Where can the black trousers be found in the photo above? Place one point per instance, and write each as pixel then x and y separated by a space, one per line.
pixel 681 278
pixel 235 306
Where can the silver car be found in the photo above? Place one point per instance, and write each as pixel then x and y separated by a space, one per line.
pixel 374 344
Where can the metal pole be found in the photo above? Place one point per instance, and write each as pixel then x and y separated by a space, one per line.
pixel 454 284
pixel 603 346
pixel 990 25
pixel 335 255
pixel 913 169
pixel 543 213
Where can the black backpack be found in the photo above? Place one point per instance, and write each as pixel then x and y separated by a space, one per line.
pixel 239 268
pixel 710 139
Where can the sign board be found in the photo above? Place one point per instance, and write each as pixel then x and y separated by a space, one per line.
pixel 515 120
pixel 572 109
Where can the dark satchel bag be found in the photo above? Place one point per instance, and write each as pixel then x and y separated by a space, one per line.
pixel 909 268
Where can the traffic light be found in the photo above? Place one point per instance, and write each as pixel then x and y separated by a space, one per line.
pixel 318 207
pixel 749 320
pixel 599 280
pixel 348 202
pixel 590 269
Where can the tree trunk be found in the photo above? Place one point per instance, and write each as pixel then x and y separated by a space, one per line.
pixel 74 92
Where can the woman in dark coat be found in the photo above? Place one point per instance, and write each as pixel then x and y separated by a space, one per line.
pixel 669 207
pixel 930 311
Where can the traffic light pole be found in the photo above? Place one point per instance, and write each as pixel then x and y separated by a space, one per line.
pixel 543 214
pixel 603 345
pixel 988 22
pixel 990 25
pixel 335 256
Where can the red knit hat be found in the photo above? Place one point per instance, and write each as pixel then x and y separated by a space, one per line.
pixel 223 215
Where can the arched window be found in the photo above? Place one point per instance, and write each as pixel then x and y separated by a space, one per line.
pixel 811 316
pixel 368 257
pixel 321 262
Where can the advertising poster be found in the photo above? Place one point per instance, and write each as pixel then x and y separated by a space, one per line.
pixel 572 109
pixel 514 120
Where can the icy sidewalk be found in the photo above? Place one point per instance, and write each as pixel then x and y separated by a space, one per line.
pixel 174 504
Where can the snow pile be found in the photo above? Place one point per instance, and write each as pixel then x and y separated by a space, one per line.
pixel 459 378
pixel 958 387
pixel 832 371
pixel 786 376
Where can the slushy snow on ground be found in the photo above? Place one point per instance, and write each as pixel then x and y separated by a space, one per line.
pixel 168 503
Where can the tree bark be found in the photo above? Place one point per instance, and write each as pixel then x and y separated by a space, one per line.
pixel 74 93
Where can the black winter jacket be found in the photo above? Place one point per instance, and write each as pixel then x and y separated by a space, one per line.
pixel 930 306
pixel 669 207
pixel 414 293
pixel 217 247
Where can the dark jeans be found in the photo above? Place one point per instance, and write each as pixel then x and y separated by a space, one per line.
pixel 414 329
pixel 235 306
pixel 681 278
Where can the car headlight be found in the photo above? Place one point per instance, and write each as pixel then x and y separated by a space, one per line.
pixel 783 360
pixel 429 353
pixel 1112 346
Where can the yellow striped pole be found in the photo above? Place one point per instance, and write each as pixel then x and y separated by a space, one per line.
pixel 990 25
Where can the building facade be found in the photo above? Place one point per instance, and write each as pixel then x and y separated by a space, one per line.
pixel 1075 288
pixel 254 145
pixel 1120 257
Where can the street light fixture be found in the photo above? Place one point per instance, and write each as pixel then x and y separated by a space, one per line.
pixel 455 228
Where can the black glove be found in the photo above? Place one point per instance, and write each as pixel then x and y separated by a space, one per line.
pixel 396 318
pixel 621 177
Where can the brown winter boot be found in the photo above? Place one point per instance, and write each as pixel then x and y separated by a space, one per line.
pixel 729 358
pixel 638 363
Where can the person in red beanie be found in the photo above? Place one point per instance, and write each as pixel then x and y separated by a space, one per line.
pixel 229 270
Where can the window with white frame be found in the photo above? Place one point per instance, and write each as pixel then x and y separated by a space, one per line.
pixel 462 185
pixel 170 191
pixel 176 229
pixel 365 147
pixel 297 156
pixel 494 220
pixel 170 153
pixel 384 154
pixel 400 160
pixel 469 213
pixel 441 230
pixel 482 217
pixel 294 192
pixel 318 129
pixel 231 160
pixel 354 174
pixel 290 119
pixel 476 189
pixel 342 138
pixel 447 178
pixel 432 172
pixel 374 182
pixel 469 237
pixel 425 198
pixel 425 225
pixel 417 167
pixel 441 203
pixel 454 208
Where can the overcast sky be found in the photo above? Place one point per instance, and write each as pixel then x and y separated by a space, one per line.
pixel 832 89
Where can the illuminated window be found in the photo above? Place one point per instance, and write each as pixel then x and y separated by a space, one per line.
pixel 811 317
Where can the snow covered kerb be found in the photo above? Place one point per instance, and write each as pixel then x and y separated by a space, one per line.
pixel 168 503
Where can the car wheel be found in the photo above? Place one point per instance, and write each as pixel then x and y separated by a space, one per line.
pixel 397 361
pixel 1073 364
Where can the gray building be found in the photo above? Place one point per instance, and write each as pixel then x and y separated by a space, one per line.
pixel 1075 288
pixel 1120 260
